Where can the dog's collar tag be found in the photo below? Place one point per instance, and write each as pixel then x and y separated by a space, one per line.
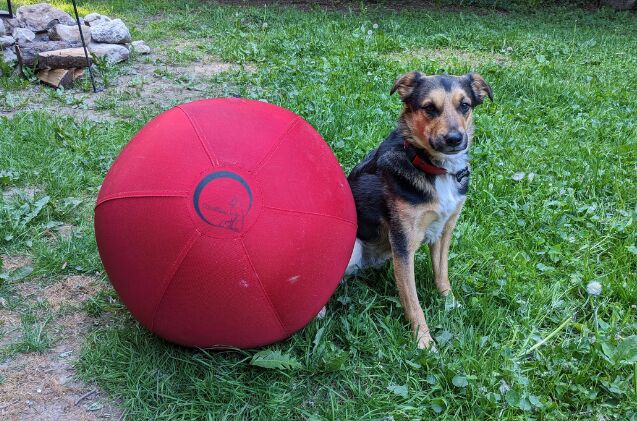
pixel 463 173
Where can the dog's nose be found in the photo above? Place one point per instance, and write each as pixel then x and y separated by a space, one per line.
pixel 454 138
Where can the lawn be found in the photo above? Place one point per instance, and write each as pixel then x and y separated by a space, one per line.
pixel 552 207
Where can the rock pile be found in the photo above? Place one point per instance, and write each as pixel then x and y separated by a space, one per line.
pixel 49 39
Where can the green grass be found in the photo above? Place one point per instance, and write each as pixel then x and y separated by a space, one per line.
pixel 552 207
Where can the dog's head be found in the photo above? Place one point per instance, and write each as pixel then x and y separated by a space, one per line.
pixel 438 110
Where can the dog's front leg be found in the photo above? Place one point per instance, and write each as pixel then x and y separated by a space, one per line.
pixel 439 252
pixel 406 283
pixel 404 243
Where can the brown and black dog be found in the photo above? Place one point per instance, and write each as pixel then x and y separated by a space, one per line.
pixel 411 189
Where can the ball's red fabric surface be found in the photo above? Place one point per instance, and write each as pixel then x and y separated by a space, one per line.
pixel 225 222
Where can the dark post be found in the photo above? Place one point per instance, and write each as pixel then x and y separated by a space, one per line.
pixel 9 10
pixel 88 64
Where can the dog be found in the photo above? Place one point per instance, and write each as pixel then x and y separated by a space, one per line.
pixel 411 189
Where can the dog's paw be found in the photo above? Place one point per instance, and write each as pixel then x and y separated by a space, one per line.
pixel 427 342
pixel 451 303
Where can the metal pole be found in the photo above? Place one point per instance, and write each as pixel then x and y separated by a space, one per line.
pixel 10 10
pixel 88 63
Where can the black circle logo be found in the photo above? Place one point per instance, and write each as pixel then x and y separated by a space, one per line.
pixel 223 199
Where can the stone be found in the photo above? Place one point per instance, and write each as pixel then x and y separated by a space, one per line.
pixel 114 53
pixel 23 35
pixel 94 19
pixel 91 17
pixel 140 47
pixel 9 57
pixel 113 32
pixel 6 41
pixel 41 36
pixel 10 25
pixel 100 21
pixel 69 33
pixel 3 31
pixel 40 17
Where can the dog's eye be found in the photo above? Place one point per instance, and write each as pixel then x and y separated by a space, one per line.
pixel 430 109
pixel 464 107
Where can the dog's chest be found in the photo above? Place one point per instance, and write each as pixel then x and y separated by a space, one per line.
pixel 449 198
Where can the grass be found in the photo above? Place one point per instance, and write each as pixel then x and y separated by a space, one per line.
pixel 552 207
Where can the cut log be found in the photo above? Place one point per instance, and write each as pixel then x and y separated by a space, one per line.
pixel 67 58
pixel 57 77
pixel 28 53
pixel 77 73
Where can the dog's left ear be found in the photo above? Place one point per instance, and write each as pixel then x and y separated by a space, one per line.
pixel 480 88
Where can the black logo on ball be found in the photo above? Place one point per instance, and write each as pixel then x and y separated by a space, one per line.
pixel 223 199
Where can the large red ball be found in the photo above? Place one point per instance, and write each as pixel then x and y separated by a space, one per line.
pixel 225 222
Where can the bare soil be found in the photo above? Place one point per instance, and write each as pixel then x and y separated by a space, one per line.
pixel 15 262
pixel 12 193
pixel 150 80
pixel 42 386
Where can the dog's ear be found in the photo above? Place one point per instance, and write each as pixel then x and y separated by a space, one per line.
pixel 480 88
pixel 405 84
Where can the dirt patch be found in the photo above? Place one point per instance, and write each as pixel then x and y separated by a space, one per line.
pixel 65 231
pixel 145 81
pixel 159 85
pixel 9 327
pixel 28 193
pixel 15 262
pixel 210 69
pixel 60 231
pixel 453 57
pixel 71 291
pixel 42 385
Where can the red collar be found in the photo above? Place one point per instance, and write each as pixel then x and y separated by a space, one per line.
pixel 422 162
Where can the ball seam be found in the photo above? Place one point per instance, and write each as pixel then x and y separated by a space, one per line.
pixel 265 291
pixel 276 145
pixel 141 194
pixel 310 213
pixel 214 161
pixel 174 267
